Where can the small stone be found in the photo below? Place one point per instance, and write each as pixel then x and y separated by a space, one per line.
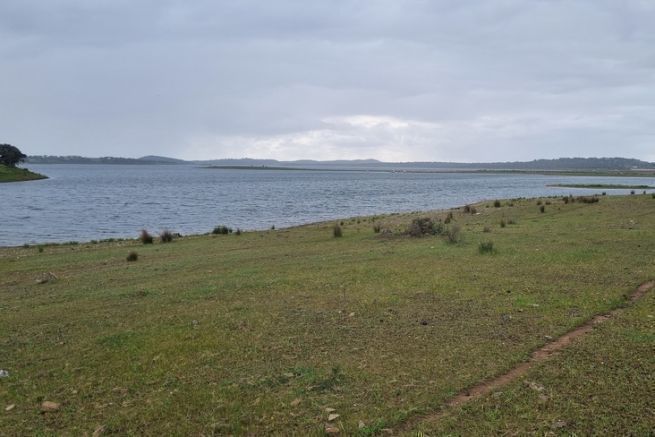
pixel 295 402
pixel 548 337
pixel 351 315
pixel 100 429
pixel 361 425
pixel 49 406
pixel 10 407
pixel 4 374
pixel 329 429
pixel 534 386
pixel 330 410
pixel 332 417
pixel 558 424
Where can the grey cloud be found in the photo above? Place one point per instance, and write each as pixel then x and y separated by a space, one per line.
pixel 472 80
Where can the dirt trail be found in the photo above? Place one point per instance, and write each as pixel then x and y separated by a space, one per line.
pixel 521 369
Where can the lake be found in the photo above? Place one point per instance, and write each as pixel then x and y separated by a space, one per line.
pixel 86 202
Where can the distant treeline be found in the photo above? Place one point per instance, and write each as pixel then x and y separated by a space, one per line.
pixel 560 164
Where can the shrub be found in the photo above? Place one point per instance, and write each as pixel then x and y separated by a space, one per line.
pixel 40 249
pixel 542 208
pixel 632 191
pixel 587 199
pixel 449 218
pixel 377 229
pixel 604 193
pixel 565 199
pixel 470 209
pixel 238 232
pixel 336 231
pixel 132 256
pixel 486 229
pixel 653 195
pixel 166 236
pixel 496 203
pixel 502 223
pixel 538 202
pixel 222 230
pixel 486 247
pixel 145 237
pixel 272 227
pixel 424 226
pixel 454 234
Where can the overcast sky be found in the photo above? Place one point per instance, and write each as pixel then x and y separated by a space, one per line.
pixel 331 79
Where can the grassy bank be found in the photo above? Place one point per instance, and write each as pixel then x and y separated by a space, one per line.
pixel 9 174
pixel 273 332
pixel 601 186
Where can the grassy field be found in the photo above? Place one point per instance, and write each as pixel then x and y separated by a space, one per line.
pixel 9 174
pixel 601 186
pixel 278 331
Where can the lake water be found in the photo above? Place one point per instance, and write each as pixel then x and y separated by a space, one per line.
pixel 85 202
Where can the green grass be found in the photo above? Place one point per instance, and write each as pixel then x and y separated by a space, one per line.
pixel 602 186
pixel 260 333
pixel 10 174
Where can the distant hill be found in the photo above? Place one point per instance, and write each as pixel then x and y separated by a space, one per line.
pixel 560 164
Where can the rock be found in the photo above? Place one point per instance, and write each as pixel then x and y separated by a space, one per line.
pixel 330 410
pixel 4 374
pixel 10 407
pixel 100 429
pixel 330 429
pixel 558 424
pixel 46 277
pixel 361 425
pixel 534 386
pixel 332 417
pixel 49 406
pixel 351 315
pixel 295 402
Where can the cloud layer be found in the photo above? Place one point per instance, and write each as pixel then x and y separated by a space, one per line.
pixel 395 80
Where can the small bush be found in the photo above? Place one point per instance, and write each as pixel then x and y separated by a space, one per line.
pixel 653 195
pixel 272 227
pixel 542 208
pixel 132 256
pixel 565 199
pixel 470 209
pixel 632 192
pixel 454 234
pixel 502 223
pixel 587 199
pixel 449 218
pixel 486 247
pixel 496 203
pixel 336 231
pixel 238 232
pixel 539 202
pixel 145 237
pixel 222 230
pixel 604 193
pixel 424 226
pixel 486 229
pixel 547 202
pixel 40 249
pixel 377 229
pixel 166 236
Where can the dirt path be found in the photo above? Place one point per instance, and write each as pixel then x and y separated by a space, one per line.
pixel 521 369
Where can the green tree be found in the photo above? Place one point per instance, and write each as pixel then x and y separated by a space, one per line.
pixel 10 155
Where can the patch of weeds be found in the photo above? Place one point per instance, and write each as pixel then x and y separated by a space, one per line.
pixel 377 228
pixel 565 199
pixel 336 231
pixel 424 226
pixel 587 199
pixel 542 208
pixel 145 237
pixel 486 229
pixel 40 249
pixel 632 192
pixel 329 382
pixel 470 209
pixel 486 247
pixel 497 204
pixel 454 234
pixel 166 236
pixel 132 256
pixel 222 230
pixel 116 340
pixel 237 232
pixel 539 202
pixel 503 223
pixel 449 218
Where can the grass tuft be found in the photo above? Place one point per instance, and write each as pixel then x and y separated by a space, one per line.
pixel 486 247
pixel 132 256
pixel 336 231
pixel 166 236
pixel 145 237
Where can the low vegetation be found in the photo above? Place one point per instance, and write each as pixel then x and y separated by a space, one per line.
pixel 15 174
pixel 145 237
pixel 296 332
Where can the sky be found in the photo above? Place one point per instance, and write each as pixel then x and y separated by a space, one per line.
pixel 395 80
